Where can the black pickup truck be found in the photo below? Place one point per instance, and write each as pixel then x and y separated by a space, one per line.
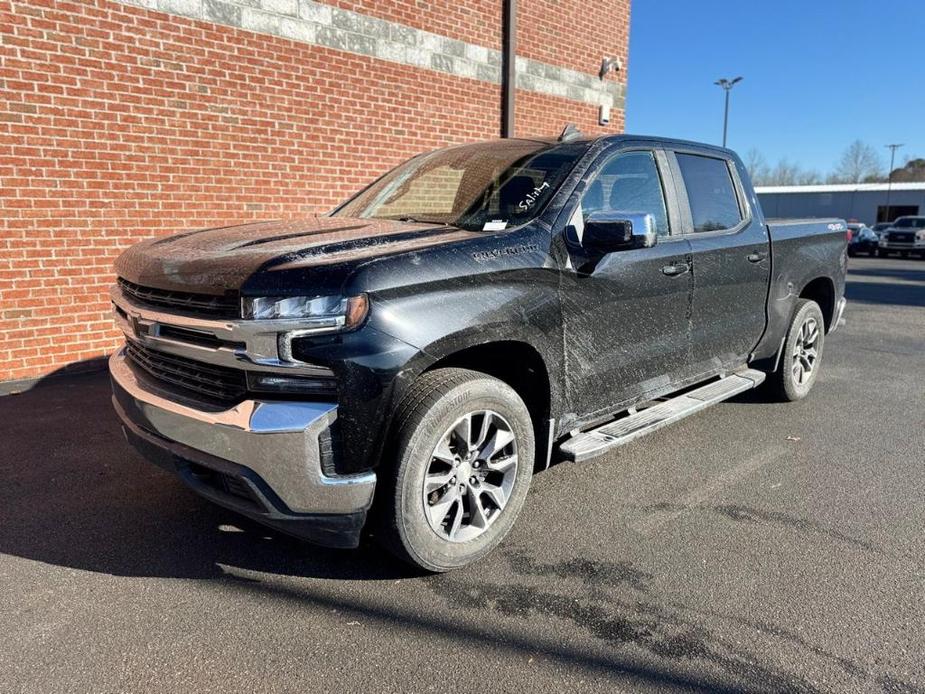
pixel 406 362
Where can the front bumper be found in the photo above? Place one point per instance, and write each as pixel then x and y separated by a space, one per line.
pixel 262 458
pixel 917 246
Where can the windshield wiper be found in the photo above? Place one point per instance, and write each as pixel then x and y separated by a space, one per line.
pixel 420 220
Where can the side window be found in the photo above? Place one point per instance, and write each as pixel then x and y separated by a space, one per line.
pixel 712 195
pixel 628 182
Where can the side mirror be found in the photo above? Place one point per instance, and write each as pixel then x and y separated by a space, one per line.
pixel 607 232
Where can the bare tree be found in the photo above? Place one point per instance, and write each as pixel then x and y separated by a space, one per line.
pixel 784 173
pixel 859 161
pixel 808 177
pixel 757 166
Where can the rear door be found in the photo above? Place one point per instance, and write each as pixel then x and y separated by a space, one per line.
pixel 731 260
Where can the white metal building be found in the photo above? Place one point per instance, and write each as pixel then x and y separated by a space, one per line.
pixel 863 202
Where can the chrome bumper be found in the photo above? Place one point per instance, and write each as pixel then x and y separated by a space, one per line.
pixel 277 440
pixel 901 245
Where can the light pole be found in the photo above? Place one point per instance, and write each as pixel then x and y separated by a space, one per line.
pixel 889 184
pixel 727 86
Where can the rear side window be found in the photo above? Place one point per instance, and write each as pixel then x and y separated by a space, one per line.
pixel 712 196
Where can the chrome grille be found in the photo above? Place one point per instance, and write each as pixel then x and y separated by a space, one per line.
pixel 215 382
pixel 225 306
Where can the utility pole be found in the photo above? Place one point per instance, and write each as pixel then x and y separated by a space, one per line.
pixel 508 71
pixel 889 184
pixel 727 86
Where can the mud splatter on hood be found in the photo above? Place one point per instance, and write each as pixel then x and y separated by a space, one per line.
pixel 222 259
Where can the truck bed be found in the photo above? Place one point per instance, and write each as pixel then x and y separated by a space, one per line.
pixel 803 249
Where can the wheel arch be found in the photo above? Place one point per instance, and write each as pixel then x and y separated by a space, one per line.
pixel 822 291
pixel 514 362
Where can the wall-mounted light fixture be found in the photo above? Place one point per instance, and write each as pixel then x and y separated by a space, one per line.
pixel 608 64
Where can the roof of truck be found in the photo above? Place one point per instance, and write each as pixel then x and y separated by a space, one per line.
pixel 629 137
pixel 841 188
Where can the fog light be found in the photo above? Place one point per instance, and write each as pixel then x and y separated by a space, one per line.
pixel 295 385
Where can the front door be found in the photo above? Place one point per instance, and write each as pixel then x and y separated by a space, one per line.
pixel 732 264
pixel 625 313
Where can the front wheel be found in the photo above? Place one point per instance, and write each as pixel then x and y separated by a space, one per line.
pixel 464 451
pixel 802 357
pixel 881 253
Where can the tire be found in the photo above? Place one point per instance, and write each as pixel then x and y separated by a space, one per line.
pixel 881 253
pixel 851 253
pixel 792 381
pixel 430 424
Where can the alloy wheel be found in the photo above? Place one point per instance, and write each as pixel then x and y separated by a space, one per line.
pixel 470 476
pixel 806 351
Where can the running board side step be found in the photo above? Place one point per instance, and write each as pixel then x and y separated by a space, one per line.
pixel 590 444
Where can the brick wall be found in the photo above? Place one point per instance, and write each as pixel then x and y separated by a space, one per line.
pixel 475 21
pixel 123 120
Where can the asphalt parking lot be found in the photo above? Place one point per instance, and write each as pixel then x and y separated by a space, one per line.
pixel 755 546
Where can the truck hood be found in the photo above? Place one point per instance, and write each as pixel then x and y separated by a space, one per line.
pixel 215 261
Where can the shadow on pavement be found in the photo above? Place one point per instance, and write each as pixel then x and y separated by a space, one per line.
pixel 76 494
pixel 679 641
pixel 909 290
pixel 913 274
pixel 896 294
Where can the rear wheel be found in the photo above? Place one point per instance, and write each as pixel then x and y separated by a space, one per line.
pixel 464 450
pixel 802 356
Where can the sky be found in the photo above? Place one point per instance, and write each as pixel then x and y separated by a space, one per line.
pixel 818 74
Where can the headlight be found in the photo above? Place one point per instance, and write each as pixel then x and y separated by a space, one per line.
pixel 320 313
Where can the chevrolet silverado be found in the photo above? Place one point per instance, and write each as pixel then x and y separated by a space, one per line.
pixel 406 362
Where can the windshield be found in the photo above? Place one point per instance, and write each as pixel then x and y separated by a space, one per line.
pixel 488 186
pixel 910 223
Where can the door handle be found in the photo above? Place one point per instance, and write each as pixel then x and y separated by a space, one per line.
pixel 756 257
pixel 676 269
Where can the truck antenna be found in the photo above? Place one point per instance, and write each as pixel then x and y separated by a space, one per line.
pixel 569 133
